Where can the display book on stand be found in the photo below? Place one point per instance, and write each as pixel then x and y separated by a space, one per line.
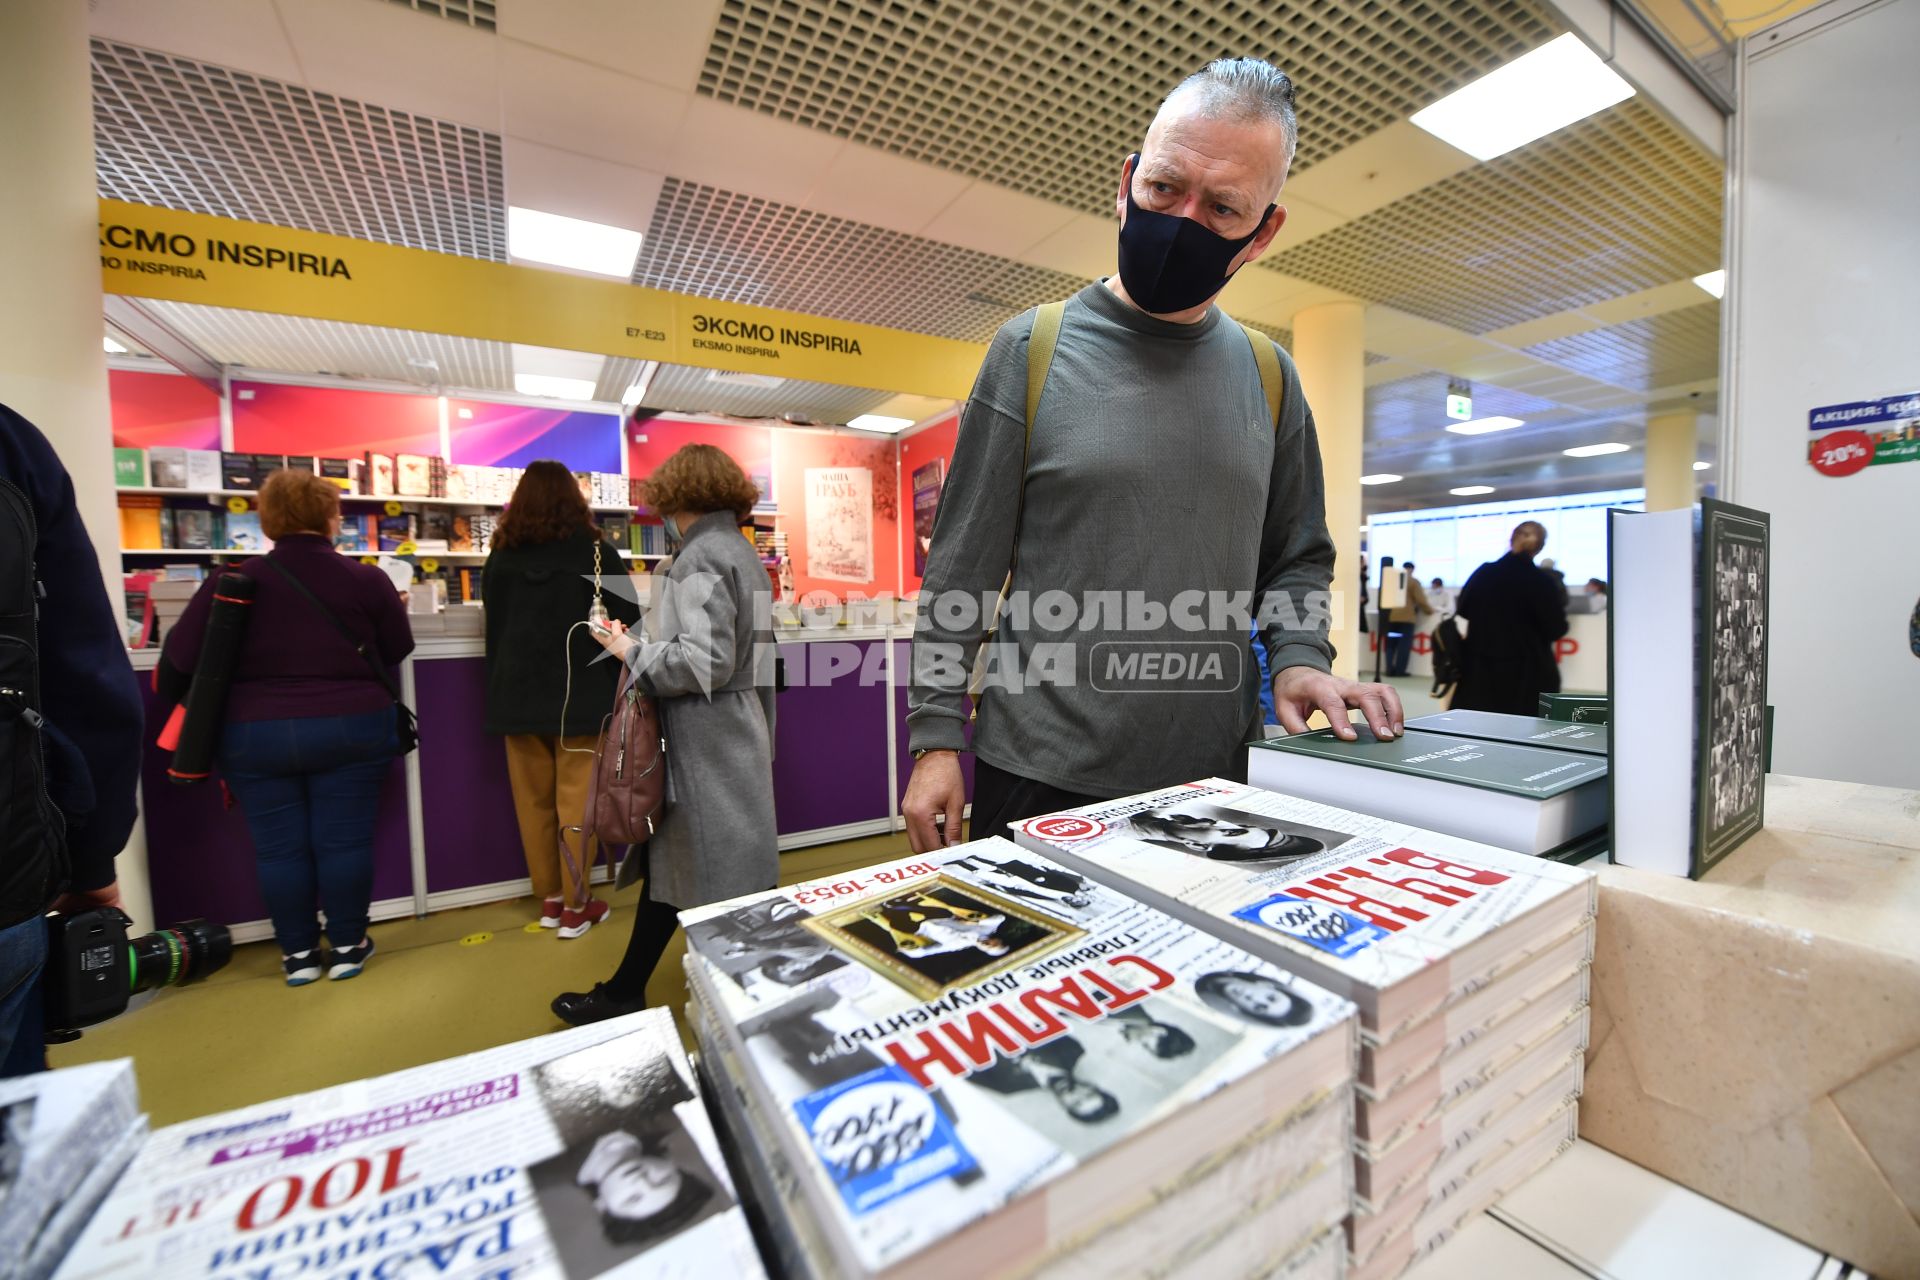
pixel 979 1062
pixel 575 1154
pixel 1468 963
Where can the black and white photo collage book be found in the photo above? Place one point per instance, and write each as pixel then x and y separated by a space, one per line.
pixel 1009 1018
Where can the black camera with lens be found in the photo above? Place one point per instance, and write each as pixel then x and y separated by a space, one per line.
pixel 93 968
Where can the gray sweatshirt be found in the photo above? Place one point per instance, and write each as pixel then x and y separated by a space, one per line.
pixel 1154 473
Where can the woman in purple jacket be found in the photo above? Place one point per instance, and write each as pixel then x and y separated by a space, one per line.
pixel 309 735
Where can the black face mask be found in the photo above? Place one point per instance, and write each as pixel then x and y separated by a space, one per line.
pixel 1169 263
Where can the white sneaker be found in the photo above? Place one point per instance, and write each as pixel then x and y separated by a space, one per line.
pixel 302 967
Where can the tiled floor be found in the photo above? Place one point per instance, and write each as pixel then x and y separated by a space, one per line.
pixel 1592 1214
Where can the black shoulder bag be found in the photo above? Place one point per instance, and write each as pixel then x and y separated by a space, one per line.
pixel 405 727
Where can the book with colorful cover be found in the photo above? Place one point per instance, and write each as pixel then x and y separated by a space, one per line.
pixel 582 1153
pixel 395 531
pixel 939 1040
pixel 130 469
pixel 1520 731
pixel 1402 921
pixel 142 520
pixel 241 532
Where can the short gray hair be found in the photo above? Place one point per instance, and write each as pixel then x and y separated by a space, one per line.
pixel 1243 89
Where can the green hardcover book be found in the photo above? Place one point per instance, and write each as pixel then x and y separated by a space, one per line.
pixel 1528 799
pixel 129 468
pixel 1522 731
pixel 1577 708
pixel 1687 643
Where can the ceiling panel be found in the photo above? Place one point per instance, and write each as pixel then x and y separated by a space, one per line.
pixel 739 248
pixel 1618 203
pixel 468 13
pixel 188 135
pixel 1660 351
pixel 1416 407
pixel 295 344
pixel 681 389
pixel 1048 96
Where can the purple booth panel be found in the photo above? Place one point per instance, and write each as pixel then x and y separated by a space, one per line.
pixel 466 803
pixel 830 741
pixel 903 755
pixel 200 857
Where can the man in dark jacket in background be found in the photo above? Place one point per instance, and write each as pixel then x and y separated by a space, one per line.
pixel 1514 615
pixel 90 701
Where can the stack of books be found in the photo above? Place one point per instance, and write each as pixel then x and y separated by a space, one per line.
pixel 65 1136
pixel 582 1153
pixel 980 1063
pixel 1538 795
pixel 1468 964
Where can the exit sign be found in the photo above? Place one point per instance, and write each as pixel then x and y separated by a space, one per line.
pixel 1459 407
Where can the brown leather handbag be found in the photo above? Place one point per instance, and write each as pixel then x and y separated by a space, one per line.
pixel 628 792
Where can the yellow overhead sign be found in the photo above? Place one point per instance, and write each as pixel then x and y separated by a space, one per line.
pixel 149 252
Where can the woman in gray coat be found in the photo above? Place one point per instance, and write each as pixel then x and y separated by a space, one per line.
pixel 707 654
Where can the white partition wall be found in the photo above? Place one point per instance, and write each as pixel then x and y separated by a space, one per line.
pixel 1823 308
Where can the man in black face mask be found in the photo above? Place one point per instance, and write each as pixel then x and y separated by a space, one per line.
pixel 1145 507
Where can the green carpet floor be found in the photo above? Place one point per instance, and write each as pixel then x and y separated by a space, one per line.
pixel 448 984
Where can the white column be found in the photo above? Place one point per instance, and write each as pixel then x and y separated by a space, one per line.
pixel 1330 350
pixel 52 369
pixel 1669 460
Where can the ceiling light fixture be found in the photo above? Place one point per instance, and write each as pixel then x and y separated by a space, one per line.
pixel 1595 450
pixel 1480 426
pixel 573 243
pixel 1560 82
pixel 545 384
pixel 879 422
pixel 1382 477
pixel 1701 466
pixel 112 348
pixel 1714 282
pixel 1471 490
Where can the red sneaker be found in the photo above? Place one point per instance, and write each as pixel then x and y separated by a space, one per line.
pixel 550 910
pixel 574 922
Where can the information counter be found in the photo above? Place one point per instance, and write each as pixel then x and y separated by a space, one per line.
pixel 1581 653
pixel 446 834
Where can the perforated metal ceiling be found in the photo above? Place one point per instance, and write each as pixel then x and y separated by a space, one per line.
pixel 739 248
pixel 686 390
pixel 295 344
pixel 1660 351
pixel 190 135
pixel 1047 96
pixel 1415 407
pixel 471 13
pixel 1618 203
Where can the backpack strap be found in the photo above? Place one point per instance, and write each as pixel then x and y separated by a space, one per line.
pixel 1272 380
pixel 1040 348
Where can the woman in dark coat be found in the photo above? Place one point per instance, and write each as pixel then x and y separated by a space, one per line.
pixel 708 658
pixel 538 585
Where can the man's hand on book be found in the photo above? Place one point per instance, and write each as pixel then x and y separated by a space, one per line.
pixel 936 791
pixel 1298 692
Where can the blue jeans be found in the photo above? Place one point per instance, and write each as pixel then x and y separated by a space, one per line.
pixel 1399 647
pixel 310 790
pixel 23 951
